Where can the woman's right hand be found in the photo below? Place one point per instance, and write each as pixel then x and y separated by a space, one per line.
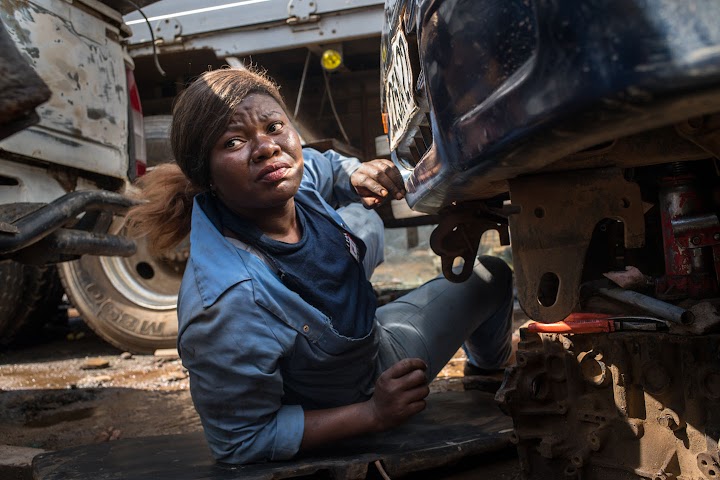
pixel 399 394
pixel 377 181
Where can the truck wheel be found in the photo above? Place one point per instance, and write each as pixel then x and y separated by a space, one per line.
pixel 38 306
pixel 129 302
pixel 12 280
pixel 29 298
pixel 29 294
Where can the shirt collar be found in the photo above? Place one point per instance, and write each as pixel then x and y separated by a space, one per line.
pixel 216 262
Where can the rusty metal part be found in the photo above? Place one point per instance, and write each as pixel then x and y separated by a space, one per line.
pixel 458 236
pixel 652 305
pixel 552 232
pixel 691 239
pixel 707 318
pixel 620 405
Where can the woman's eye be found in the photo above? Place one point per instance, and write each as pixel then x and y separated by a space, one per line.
pixel 275 127
pixel 233 142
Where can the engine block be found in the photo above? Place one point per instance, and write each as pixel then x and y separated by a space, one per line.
pixel 615 406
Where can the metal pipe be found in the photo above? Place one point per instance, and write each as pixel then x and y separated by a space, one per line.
pixel 75 242
pixel 63 245
pixel 42 222
pixel 652 305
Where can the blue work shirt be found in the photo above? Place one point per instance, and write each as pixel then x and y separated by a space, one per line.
pixel 256 352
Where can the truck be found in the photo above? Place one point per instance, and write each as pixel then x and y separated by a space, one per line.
pixel 63 177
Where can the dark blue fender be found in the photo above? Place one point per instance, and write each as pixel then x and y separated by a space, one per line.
pixel 513 86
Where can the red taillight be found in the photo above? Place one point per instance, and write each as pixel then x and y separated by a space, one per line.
pixel 137 124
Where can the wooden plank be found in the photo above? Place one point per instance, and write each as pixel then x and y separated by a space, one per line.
pixel 455 425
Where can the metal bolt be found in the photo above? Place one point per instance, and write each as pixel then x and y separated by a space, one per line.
pixel 716 236
pixel 521 359
pixel 695 240
pixel 669 419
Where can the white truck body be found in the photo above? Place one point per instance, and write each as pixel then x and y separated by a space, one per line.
pixel 84 125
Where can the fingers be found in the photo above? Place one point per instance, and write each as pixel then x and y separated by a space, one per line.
pixel 405 376
pixel 416 407
pixel 406 366
pixel 389 177
pixel 417 394
pixel 378 180
pixel 400 392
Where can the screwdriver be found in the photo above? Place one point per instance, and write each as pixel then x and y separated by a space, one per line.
pixel 586 322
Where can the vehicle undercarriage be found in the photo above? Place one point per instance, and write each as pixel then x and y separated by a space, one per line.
pixel 587 135
pixel 629 387
pixel 619 265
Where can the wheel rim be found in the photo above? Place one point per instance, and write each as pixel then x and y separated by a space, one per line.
pixel 148 280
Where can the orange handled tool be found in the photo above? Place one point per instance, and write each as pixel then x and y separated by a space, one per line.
pixel 577 323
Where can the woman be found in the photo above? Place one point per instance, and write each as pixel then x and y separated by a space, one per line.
pixel 278 325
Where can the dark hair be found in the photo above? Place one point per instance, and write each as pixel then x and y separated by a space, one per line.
pixel 201 115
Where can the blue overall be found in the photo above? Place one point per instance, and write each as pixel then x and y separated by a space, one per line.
pixel 258 354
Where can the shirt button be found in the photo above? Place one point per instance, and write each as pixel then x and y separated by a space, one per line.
pixel 306 328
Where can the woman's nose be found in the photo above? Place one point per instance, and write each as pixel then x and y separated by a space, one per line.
pixel 266 148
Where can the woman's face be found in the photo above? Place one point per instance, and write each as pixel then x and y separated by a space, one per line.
pixel 257 163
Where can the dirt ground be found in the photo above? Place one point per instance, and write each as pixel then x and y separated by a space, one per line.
pixel 61 394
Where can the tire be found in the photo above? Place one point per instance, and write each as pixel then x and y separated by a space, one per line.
pixel 12 279
pixel 30 294
pixel 157 139
pixel 29 299
pixel 39 306
pixel 132 302
pixel 129 302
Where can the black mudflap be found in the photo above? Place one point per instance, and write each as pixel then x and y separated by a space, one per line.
pixel 455 425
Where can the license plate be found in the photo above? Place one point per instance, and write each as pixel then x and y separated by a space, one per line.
pixel 399 88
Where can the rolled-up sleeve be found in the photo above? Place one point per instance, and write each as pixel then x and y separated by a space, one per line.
pixel 329 174
pixel 232 355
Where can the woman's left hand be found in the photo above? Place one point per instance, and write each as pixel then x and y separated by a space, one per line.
pixel 377 181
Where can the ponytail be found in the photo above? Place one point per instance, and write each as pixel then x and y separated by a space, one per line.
pixel 165 216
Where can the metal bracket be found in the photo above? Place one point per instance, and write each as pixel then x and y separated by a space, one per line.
pixel 302 11
pixel 552 232
pixel 458 236
pixel 168 30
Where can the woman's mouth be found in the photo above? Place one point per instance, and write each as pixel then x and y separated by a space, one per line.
pixel 273 173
